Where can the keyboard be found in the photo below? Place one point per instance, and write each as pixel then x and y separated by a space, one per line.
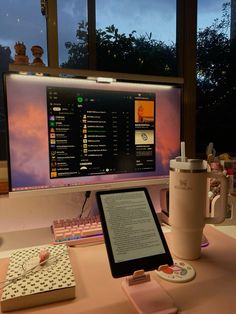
pixel 77 231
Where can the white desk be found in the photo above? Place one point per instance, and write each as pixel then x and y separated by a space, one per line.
pixel 212 291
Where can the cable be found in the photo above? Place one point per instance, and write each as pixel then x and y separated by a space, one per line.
pixel 87 195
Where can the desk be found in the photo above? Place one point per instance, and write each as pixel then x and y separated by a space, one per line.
pixel 212 291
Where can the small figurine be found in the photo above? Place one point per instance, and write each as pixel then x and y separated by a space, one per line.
pixel 20 56
pixel 43 257
pixel 37 52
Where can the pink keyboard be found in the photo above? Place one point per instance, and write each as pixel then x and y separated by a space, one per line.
pixel 77 231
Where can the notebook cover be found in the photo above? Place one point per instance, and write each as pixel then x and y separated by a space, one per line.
pixel 54 281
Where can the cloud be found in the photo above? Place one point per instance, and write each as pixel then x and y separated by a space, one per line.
pixel 142 16
pixel 28 146
pixel 72 9
pixel 18 21
pixel 211 7
pixel 168 137
pixel 208 11
pixel 28 131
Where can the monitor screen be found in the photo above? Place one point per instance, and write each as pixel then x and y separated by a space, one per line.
pixel 87 134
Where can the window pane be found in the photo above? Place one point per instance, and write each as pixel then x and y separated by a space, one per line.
pixel 73 33
pixel 141 42
pixel 19 22
pixel 216 65
pixel 138 38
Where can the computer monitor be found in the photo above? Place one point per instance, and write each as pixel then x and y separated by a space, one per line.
pixel 83 134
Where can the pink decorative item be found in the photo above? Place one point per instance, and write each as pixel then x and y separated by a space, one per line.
pixel 43 257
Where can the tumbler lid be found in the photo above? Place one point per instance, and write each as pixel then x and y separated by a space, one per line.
pixel 188 164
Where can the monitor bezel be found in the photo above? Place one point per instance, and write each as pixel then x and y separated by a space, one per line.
pixel 95 75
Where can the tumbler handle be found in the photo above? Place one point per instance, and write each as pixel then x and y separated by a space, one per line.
pixel 223 198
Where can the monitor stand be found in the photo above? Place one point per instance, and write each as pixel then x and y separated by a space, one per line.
pixel 146 295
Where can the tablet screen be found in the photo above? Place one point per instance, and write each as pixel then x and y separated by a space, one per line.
pixel 131 229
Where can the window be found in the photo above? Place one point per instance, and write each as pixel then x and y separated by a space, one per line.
pixel 129 38
pixel 73 33
pixel 138 38
pixel 216 81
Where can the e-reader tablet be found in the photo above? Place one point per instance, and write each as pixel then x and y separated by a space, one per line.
pixel 133 236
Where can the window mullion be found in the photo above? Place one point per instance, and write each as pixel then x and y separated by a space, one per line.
pixel 92 33
pixel 52 32
pixel 186 42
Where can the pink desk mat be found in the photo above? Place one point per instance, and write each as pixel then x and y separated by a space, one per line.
pixel 212 291
pixel 214 288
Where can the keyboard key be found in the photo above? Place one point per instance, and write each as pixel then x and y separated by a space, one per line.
pixel 77 231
